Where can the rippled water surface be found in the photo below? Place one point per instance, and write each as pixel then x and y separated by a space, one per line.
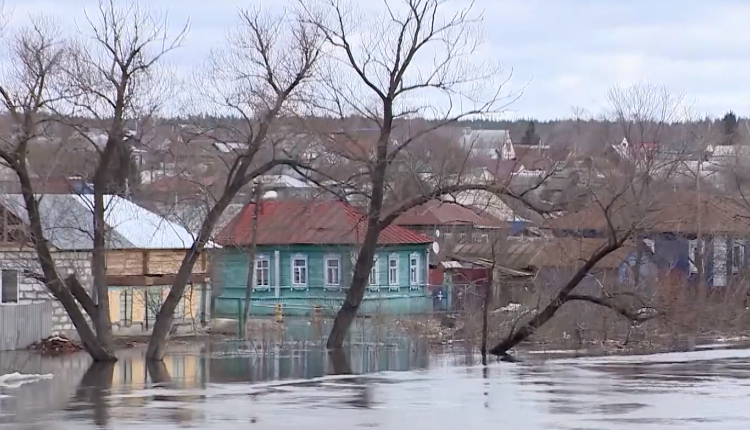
pixel 232 386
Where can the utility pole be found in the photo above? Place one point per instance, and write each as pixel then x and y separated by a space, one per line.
pixel 251 251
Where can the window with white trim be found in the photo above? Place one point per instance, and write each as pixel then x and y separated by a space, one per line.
pixel 333 271
pixel 393 270
pixel 738 256
pixel 414 269
pixel 299 270
pixel 262 272
pixel 9 286
pixel 375 273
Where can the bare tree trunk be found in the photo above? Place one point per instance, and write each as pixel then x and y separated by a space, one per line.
pixel 157 345
pixel 90 342
pixel 102 323
pixel 348 312
pixel 485 321
pixel 251 251
pixel 562 296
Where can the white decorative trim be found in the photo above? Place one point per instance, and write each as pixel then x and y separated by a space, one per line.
pixel 391 285
pixel 256 287
pixel 414 283
pixel 326 259
pixel 299 286
pixel 376 267
pixel 738 247
pixel 277 271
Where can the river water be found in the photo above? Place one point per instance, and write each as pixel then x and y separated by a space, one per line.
pixel 230 385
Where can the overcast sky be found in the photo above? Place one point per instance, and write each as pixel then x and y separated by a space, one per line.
pixel 569 52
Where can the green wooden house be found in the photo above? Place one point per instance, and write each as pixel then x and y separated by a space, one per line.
pixel 305 255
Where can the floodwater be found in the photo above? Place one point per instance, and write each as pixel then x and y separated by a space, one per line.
pixel 298 386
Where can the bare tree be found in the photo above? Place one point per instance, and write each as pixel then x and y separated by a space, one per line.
pixel 30 92
pixel 382 70
pixel 261 76
pixel 113 79
pixel 624 204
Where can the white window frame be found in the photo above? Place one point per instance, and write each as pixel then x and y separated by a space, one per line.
pixel 692 255
pixel 265 258
pixel 328 258
pixel 373 282
pixel 738 247
pixel 414 269
pixel 300 285
pixel 391 282
pixel 18 288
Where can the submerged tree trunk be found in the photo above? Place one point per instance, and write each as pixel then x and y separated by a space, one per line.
pixel 157 345
pixel 348 312
pixel 102 323
pixel 54 283
pixel 485 321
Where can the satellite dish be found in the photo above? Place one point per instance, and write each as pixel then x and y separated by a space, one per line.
pixel 435 247
pixel 270 195
pixel 437 233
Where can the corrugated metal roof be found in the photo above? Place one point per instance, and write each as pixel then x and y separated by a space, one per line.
pixel 555 252
pixel 296 221
pixel 68 223
pixel 436 212
pixel 666 211
pixel 284 181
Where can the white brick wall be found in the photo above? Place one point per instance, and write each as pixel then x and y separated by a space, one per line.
pixel 33 291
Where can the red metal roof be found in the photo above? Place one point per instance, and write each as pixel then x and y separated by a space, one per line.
pixel 294 221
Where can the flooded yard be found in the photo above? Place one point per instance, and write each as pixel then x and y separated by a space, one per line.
pixel 231 385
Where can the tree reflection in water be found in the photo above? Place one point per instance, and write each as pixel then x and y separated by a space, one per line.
pixel 339 365
pixel 93 391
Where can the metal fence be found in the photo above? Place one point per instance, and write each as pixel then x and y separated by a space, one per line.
pixel 22 325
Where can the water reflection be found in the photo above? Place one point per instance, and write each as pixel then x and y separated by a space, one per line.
pixel 232 384
pixel 93 391
pixel 238 362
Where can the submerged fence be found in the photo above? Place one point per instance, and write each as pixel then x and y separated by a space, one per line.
pixel 22 325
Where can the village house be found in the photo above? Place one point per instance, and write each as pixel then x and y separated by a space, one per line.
pixel 684 231
pixel 144 252
pixel 306 250
pixel 522 269
pixel 446 221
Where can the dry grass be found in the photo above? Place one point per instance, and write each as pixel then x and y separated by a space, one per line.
pixel 686 313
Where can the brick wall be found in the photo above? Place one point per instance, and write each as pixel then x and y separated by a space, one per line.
pixel 33 291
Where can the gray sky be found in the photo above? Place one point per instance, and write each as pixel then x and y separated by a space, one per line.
pixel 568 52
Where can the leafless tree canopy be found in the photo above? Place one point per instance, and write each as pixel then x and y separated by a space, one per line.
pixel 377 105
